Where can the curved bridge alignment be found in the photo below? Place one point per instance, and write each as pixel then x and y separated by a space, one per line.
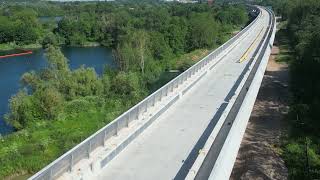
pixel 169 134
pixel 222 147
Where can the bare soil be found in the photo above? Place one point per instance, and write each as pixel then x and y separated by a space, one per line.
pixel 258 157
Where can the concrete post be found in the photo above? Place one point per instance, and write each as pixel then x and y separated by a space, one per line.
pixel 146 103
pixel 161 92
pixel 138 112
pixel 116 133
pixel 50 177
pixel 104 138
pixel 128 119
pixel 71 162
pixel 89 150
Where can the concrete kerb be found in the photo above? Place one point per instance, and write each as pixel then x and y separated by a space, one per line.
pixel 196 166
pixel 44 171
pixel 117 149
pixel 99 161
pixel 218 59
pixel 112 154
pixel 232 144
pixel 134 134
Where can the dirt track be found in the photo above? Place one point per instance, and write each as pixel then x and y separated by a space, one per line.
pixel 258 158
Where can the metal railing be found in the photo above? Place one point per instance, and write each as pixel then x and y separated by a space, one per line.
pixel 67 161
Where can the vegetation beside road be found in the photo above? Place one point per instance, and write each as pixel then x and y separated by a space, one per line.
pixel 301 48
pixel 108 23
pixel 57 107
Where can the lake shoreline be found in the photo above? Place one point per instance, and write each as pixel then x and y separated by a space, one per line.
pixel 12 68
pixel 37 46
pixel 12 46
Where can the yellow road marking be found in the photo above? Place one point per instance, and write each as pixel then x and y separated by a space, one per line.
pixel 245 55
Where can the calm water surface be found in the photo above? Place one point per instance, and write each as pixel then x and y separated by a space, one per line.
pixel 11 69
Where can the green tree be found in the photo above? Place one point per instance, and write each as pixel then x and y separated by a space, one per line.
pixel 140 40
pixel 7 30
pixel 31 79
pixel 49 39
pixel 177 34
pixel 203 31
pixel 159 47
pixel 124 56
pixel 27 26
pixel 235 15
pixel 50 102
pixel 132 53
pixel 20 110
pixel 86 82
pixel 127 85
pixel 57 61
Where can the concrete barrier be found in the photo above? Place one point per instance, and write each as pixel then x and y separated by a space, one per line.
pixel 229 151
pixel 83 151
pixel 207 164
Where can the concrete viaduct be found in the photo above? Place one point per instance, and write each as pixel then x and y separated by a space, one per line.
pixel 191 128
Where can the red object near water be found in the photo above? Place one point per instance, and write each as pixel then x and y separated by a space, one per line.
pixel 17 54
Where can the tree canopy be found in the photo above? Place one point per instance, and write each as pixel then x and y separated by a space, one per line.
pixel 302 28
pixel 147 40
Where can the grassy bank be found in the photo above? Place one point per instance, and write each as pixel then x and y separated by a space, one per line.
pixel 286 53
pixel 13 46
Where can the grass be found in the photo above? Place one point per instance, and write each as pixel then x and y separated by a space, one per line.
pixel 26 151
pixel 179 64
pixel 13 46
pixel 187 60
pixel 283 42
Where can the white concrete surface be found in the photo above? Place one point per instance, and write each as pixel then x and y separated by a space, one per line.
pixel 88 167
pixel 159 152
pixel 224 164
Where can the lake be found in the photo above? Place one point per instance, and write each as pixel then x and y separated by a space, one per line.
pixel 12 68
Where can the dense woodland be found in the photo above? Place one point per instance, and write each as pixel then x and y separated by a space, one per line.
pixel 302 147
pixel 57 107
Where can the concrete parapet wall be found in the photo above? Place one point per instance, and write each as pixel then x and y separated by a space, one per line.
pixel 223 164
pixel 91 152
